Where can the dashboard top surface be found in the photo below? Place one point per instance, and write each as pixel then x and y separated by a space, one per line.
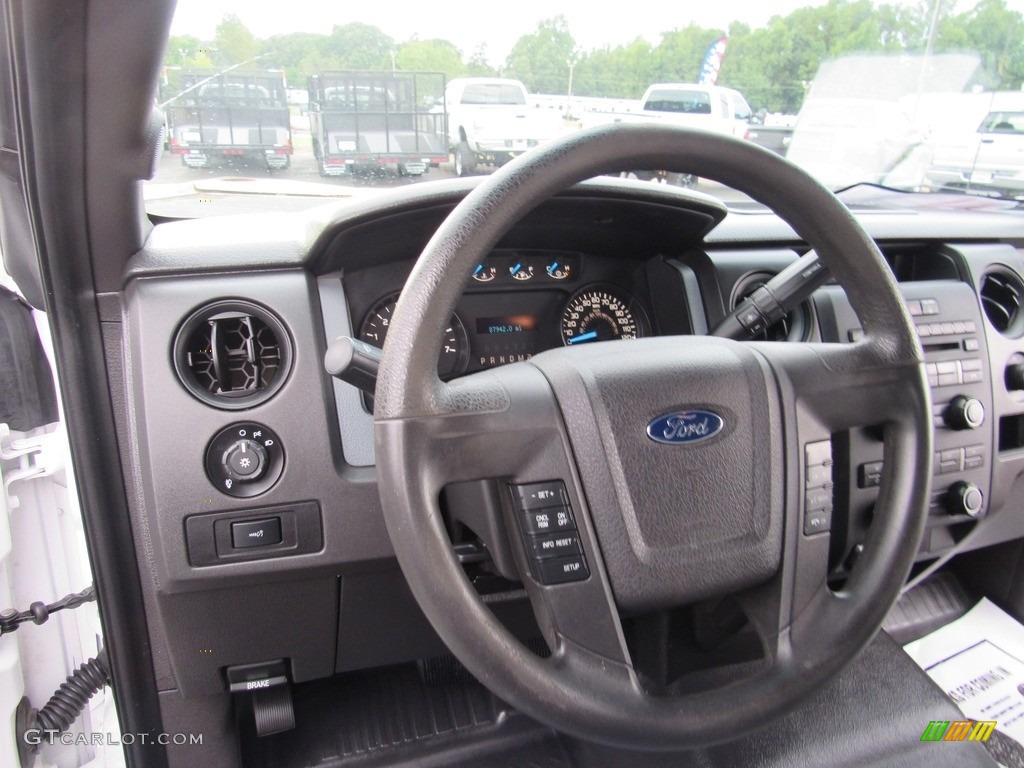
pixel 402 220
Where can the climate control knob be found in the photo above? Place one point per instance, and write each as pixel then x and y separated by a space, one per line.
pixel 964 413
pixel 964 498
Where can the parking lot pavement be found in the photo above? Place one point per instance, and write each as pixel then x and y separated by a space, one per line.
pixel 240 186
pixel 303 168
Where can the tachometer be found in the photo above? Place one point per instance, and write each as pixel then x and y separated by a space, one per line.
pixel 454 354
pixel 602 314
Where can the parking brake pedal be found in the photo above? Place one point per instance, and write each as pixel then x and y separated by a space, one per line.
pixel 267 687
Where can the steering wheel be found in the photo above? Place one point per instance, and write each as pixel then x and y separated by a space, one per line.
pixel 724 504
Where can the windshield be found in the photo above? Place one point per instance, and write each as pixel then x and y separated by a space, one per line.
pixel 1003 122
pixel 283 108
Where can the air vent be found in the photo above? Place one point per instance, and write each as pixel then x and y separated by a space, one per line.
pixel 1001 293
pixel 232 354
pixel 792 327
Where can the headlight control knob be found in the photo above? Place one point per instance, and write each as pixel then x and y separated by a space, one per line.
pixel 964 498
pixel 244 459
pixel 965 413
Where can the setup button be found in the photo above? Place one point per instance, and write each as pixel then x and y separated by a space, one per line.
pixel 562 570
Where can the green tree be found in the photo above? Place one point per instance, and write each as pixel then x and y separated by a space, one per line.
pixel 359 46
pixel 681 52
pixel 234 42
pixel 996 34
pixel 188 51
pixel 541 58
pixel 622 72
pixel 478 65
pixel 299 54
pixel 430 56
pixel 774 65
pixel 903 28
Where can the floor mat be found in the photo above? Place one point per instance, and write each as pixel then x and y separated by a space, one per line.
pixel 930 605
pixel 392 717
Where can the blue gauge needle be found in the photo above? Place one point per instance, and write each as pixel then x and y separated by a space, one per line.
pixel 588 336
pixel 552 268
pixel 479 269
pixel 516 268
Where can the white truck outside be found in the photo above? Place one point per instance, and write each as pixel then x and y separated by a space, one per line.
pixel 979 144
pixel 490 122
pixel 710 107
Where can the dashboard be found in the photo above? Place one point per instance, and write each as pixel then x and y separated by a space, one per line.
pixel 255 468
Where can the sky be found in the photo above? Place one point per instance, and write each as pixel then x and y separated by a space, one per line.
pixel 496 24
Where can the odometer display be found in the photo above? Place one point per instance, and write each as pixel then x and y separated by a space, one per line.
pixel 601 314
pixel 454 353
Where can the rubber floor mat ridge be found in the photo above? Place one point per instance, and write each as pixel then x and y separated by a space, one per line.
pixel 391 717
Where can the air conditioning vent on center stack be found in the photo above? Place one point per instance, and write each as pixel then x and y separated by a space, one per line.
pixel 793 327
pixel 232 354
pixel 1001 295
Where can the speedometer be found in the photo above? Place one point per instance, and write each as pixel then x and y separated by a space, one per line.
pixel 454 354
pixel 602 314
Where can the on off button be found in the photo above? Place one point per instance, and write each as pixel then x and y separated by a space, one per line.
pixel 549 520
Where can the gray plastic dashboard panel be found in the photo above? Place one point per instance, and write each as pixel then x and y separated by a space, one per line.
pixel 1005 518
pixel 173 429
pixel 355 424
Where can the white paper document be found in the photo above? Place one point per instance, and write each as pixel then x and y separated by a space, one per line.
pixel 978 660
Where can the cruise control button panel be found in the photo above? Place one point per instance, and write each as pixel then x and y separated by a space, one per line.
pixel 818 486
pixel 549 532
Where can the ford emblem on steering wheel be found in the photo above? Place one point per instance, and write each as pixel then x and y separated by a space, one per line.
pixel 685 426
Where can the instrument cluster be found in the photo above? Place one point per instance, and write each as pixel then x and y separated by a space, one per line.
pixel 519 303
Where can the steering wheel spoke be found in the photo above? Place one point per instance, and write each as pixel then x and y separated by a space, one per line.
pixel 829 388
pixel 562 567
pixel 843 386
pixel 517 447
